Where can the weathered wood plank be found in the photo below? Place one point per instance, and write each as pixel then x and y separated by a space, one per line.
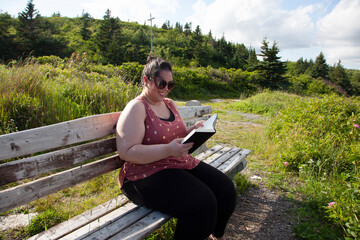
pixel 28 192
pixel 57 135
pixel 106 226
pixel 234 161
pixel 144 227
pixel 34 166
pixel 81 220
pixel 216 155
pixel 204 155
pixel 227 153
pixel 194 111
pixel 119 224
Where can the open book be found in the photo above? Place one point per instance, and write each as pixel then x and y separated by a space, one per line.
pixel 202 134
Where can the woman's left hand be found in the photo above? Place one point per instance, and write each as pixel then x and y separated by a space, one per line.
pixel 199 124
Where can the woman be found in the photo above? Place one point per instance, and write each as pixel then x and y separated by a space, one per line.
pixel 158 171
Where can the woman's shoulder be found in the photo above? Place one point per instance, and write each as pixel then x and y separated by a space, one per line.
pixel 135 106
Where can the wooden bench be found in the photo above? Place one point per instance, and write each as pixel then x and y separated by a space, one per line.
pixel 66 145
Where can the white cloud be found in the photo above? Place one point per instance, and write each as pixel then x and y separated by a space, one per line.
pixel 249 22
pixel 135 10
pixel 339 33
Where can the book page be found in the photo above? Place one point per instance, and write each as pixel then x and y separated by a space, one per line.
pixel 210 123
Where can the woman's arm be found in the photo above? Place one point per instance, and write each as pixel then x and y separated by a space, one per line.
pixel 130 132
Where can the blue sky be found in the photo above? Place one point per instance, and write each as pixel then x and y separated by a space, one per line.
pixel 302 28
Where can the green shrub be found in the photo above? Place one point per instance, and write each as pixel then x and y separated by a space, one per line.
pixel 320 139
pixel 44 221
pixel 266 103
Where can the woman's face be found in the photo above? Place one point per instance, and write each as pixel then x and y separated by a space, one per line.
pixel 159 94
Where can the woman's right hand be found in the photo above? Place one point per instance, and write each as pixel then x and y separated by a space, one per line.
pixel 179 150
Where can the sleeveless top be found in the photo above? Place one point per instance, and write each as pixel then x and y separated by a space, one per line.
pixel 158 131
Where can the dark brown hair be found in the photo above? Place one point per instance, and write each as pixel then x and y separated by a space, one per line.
pixel 153 67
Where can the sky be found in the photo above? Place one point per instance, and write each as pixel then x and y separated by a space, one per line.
pixel 301 28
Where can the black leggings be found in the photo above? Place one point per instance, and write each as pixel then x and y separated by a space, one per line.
pixel 202 199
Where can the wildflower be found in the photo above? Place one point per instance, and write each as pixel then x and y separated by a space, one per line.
pixel 331 205
pixel 286 163
pixel 356 126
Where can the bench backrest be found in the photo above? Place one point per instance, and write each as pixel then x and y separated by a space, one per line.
pixel 59 156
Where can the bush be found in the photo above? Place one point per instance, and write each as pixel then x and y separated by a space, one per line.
pixel 44 221
pixel 320 139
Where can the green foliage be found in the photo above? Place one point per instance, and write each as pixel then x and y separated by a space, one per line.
pixel 319 138
pixel 33 95
pixel 322 131
pixel 241 183
pixel 320 68
pixel 266 103
pixel 206 83
pixel 165 232
pixel 44 221
pixel 306 85
pixel 271 68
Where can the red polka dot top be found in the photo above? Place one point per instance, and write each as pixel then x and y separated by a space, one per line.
pixel 158 131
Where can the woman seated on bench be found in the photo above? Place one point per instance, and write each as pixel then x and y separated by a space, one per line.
pixel 158 171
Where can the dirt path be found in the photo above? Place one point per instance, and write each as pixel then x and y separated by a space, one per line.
pixel 261 214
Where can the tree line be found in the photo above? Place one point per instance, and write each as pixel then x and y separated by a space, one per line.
pixel 112 41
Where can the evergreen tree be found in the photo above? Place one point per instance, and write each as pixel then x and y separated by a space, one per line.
pixel 85 25
pixel 139 48
pixel 320 68
pixel 252 60
pixel 271 68
pixel 187 29
pixel 28 27
pixel 338 76
pixel 197 44
pixel 7 44
pixel 108 39
pixel 179 27
pixel 36 35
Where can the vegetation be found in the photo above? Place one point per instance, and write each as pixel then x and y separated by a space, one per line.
pixel 83 66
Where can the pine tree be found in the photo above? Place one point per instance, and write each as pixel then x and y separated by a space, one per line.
pixel 28 27
pixel 320 68
pixel 187 29
pixel 85 24
pixel 271 68
pixel 7 44
pixel 338 76
pixel 108 39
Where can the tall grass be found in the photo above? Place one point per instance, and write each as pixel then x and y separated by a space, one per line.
pixel 318 139
pixel 33 95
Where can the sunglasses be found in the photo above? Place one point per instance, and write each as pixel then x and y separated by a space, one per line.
pixel 161 84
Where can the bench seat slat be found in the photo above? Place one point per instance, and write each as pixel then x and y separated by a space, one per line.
pixel 225 156
pixel 204 155
pixel 34 166
pixel 237 161
pixel 143 228
pixel 28 192
pixel 57 135
pixel 81 220
pixel 110 224
pixel 216 155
